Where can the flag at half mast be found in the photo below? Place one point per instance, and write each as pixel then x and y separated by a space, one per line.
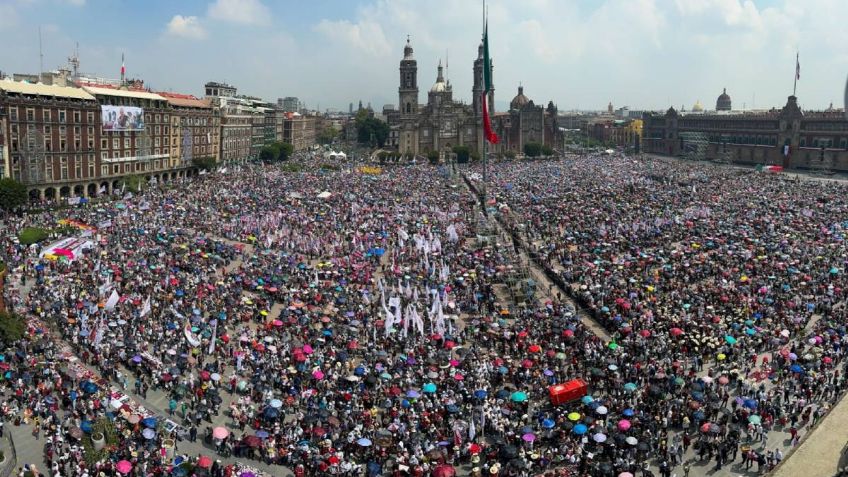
pixel 487 86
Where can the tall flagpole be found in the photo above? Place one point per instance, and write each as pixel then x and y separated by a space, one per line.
pixel 482 130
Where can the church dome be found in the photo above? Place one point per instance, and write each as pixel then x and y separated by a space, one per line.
pixel 698 107
pixel 723 102
pixel 440 86
pixel 519 100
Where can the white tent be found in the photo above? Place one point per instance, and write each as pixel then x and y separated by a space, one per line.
pixel 333 155
pixel 324 195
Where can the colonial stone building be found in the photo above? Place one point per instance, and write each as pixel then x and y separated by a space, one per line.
pixel 443 123
pixel 526 122
pixel 788 136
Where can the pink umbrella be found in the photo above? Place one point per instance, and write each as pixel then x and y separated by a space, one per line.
pixel 318 374
pixel 458 377
pixel 124 466
pixel 277 323
pixel 307 349
pixel 454 363
pixel 220 433
pixel 624 424
pixel 529 437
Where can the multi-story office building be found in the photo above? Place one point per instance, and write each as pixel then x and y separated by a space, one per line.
pixel 195 130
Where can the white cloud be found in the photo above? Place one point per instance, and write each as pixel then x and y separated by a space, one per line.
pixel 8 16
pixel 247 12
pixel 76 3
pixel 366 36
pixel 186 27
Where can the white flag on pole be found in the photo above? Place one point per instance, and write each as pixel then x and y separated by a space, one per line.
pixel 113 300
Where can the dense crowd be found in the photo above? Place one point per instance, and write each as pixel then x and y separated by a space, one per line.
pixel 347 323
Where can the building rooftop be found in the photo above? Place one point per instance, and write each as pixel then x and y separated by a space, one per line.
pixel 185 100
pixel 39 89
pixel 123 93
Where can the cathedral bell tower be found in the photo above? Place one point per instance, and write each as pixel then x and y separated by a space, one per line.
pixel 408 90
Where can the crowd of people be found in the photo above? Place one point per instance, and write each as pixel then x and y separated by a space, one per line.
pixel 328 321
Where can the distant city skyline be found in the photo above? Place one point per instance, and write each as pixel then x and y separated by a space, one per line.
pixel 645 54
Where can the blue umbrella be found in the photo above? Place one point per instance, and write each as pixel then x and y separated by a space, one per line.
pixel 698 415
pixel 548 423
pixel 628 412
pixel 580 429
pixel 587 399
pixel 85 426
pixel 262 434
pixel 413 394
pixel 698 396
pixel 271 412
pixel 149 422
pixel 359 371
pixel 364 442
pixel 429 388
pixel 796 368
pixel 750 403
pixel 481 394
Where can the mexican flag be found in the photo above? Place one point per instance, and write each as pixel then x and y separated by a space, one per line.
pixel 487 86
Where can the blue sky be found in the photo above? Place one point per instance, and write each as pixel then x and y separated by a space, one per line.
pixel 580 54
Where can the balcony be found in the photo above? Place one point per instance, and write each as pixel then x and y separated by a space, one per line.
pixel 134 158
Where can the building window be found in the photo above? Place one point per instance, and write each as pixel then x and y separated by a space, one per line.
pixel 62 116
pixel 127 154
pixel 126 168
pixel 13 113
pixel 116 143
pixel 116 154
pixel 90 117
pixel 63 168
pixel 48 131
pixel 77 168
pixel 104 155
pixel 116 169
pixel 46 115
pixel 104 170
pixel 77 117
pixel 30 115
pixel 126 143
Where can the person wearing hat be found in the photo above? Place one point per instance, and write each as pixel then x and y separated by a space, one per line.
pixel 495 469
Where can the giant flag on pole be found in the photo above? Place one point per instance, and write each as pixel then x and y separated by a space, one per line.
pixel 487 86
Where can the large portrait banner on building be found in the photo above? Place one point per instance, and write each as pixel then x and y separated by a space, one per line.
pixel 122 118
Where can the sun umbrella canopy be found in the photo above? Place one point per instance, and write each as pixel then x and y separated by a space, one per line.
pixel 518 396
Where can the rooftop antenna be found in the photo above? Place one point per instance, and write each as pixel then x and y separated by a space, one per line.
pixel 40 57
pixel 74 61
pixel 447 68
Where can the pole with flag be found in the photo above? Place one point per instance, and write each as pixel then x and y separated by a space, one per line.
pixel 123 69
pixel 490 135
pixel 797 73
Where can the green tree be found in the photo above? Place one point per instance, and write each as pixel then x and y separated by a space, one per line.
pixel 286 150
pixel 532 149
pixel 270 152
pixel 475 156
pixel 433 156
pixel 462 154
pixel 371 131
pixel 205 163
pixel 13 194
pixel 509 154
pixel 12 327
pixel 328 135
pixel 547 150
pixel 31 235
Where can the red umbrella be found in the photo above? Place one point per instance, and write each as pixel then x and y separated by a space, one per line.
pixel 333 460
pixel 444 470
pixel 474 449
pixel 527 363
pixel 167 377
pixel 645 333
pixel 252 441
pixel 204 462
pixel 204 375
pixel 676 332
pixel 534 348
